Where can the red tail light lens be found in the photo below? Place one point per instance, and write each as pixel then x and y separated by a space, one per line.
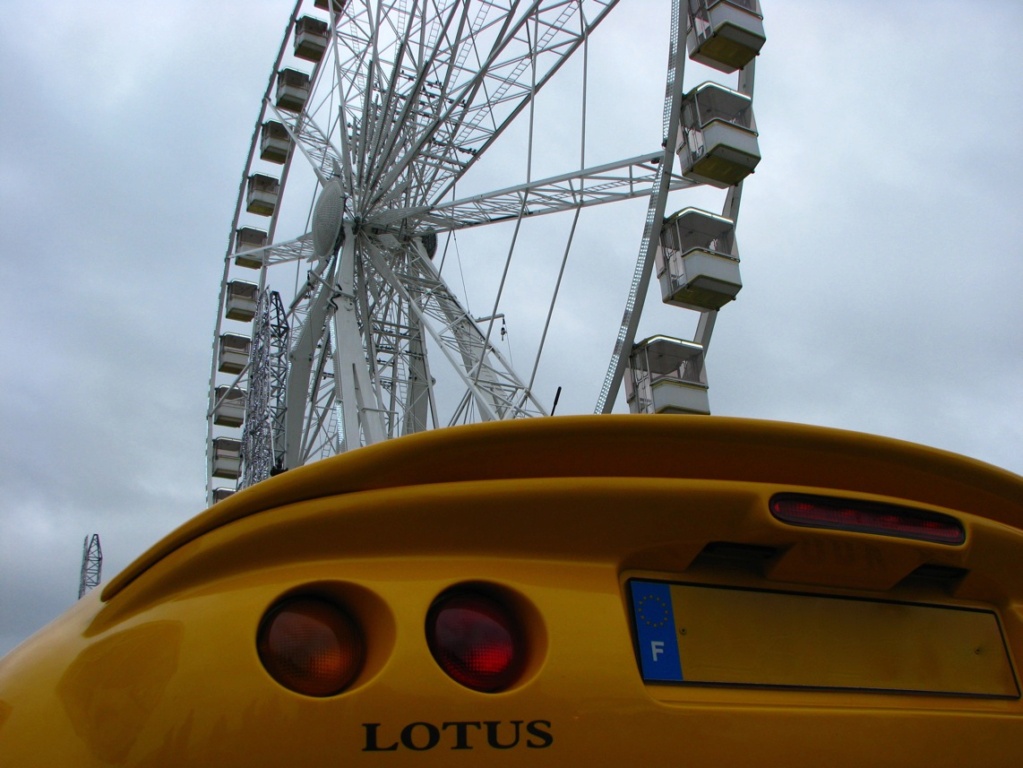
pixel 310 646
pixel 867 517
pixel 476 640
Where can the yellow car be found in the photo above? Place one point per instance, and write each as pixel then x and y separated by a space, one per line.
pixel 607 590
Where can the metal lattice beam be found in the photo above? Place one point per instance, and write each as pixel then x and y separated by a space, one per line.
pixel 92 565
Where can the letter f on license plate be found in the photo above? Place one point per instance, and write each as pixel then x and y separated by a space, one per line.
pixel 656 631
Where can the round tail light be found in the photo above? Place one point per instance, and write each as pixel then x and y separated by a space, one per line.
pixel 476 640
pixel 310 646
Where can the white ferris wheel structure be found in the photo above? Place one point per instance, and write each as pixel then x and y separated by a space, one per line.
pixel 395 146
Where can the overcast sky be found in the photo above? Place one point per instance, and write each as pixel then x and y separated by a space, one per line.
pixel 880 238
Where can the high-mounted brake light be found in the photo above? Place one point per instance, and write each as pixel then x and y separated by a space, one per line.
pixel 476 640
pixel 310 646
pixel 867 517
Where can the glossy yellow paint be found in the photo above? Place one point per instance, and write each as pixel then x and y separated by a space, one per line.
pixel 555 516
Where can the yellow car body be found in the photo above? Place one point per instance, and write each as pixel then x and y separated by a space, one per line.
pixel 616 543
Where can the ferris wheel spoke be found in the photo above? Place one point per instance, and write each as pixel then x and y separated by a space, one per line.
pixel 419 404
pixel 313 143
pixel 443 44
pixel 322 435
pixel 609 183
pixel 519 66
pixel 351 373
pixel 482 89
pixel 405 94
pixel 298 249
pixel 300 376
pixel 398 357
pixel 493 384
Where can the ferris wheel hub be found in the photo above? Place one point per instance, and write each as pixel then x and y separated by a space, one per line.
pixel 328 216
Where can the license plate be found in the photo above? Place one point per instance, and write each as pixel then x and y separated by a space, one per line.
pixel 699 634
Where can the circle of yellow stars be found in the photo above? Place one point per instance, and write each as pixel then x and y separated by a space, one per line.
pixel 653 611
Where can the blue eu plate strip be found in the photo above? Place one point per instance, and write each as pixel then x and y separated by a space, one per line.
pixel 656 631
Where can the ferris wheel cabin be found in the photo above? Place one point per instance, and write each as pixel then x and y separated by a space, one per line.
pixel 230 408
pixel 292 90
pixel 249 239
pixel 241 300
pixel 718 136
pixel 310 38
pixel 262 194
pixel 274 142
pixel 666 376
pixel 725 34
pixel 219 494
pixel 233 352
pixel 325 5
pixel 226 458
pixel 695 264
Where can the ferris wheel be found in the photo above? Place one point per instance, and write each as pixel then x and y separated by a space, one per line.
pixel 376 185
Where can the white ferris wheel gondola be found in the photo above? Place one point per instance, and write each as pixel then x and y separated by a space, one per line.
pixel 338 325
